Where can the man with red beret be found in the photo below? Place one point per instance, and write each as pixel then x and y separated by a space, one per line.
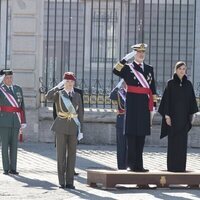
pixel 66 126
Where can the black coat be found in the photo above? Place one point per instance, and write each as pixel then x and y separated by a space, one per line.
pixel 179 103
pixel 137 110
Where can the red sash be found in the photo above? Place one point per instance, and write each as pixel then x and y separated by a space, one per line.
pixel 141 90
pixel 14 106
pixel 13 109
pixel 121 111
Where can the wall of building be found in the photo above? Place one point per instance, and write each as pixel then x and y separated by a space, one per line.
pixel 26 57
pixel 99 128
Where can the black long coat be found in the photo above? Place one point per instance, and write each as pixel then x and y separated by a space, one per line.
pixel 137 110
pixel 179 103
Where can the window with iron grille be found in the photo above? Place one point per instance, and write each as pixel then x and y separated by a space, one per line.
pixel 103 36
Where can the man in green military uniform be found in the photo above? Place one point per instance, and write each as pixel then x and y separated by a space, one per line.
pixel 12 118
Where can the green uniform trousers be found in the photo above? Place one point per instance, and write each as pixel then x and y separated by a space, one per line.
pixel 9 140
pixel 66 157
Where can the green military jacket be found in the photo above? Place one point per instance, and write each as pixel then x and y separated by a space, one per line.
pixel 10 119
pixel 65 126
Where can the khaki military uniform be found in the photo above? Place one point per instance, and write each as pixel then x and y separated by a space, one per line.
pixel 66 132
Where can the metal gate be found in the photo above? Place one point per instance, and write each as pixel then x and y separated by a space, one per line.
pixel 89 36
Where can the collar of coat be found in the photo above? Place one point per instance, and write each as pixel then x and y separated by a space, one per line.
pixel 178 80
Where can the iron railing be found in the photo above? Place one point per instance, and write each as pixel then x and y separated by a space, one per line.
pixel 89 36
pixel 93 35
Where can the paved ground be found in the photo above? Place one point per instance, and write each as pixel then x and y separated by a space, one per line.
pixel 38 176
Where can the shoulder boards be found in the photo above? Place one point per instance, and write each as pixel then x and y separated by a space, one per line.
pixel 119 66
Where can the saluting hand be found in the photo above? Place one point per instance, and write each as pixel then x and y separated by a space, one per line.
pixel 129 56
pixel 1 78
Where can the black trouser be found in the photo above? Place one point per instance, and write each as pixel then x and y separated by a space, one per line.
pixel 121 149
pixel 135 151
pixel 177 152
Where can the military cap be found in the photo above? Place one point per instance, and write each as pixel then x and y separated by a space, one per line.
pixel 6 72
pixel 69 76
pixel 139 47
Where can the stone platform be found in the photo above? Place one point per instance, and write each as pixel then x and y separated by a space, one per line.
pixel 162 179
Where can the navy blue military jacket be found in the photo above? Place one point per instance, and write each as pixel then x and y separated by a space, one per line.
pixel 115 96
pixel 137 110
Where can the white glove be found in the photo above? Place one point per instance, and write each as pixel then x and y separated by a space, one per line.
pixel 61 84
pixel 23 125
pixel 129 55
pixel 120 83
pixel 1 78
pixel 80 136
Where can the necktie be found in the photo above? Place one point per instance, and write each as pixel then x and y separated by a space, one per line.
pixel 11 91
pixel 70 95
pixel 140 65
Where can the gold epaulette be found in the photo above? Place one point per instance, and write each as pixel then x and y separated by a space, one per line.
pixel 119 66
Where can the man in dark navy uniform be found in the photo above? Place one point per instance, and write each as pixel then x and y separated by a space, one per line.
pixel 118 94
pixel 141 94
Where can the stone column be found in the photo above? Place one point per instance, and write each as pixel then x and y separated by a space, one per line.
pixel 26 57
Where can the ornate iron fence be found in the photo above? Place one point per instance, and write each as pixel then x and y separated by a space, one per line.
pixel 89 36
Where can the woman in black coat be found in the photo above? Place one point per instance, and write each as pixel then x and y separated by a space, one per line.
pixel 177 107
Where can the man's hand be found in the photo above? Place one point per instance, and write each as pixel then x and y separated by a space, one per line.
pixel 23 126
pixel 1 78
pixel 129 56
pixel 80 136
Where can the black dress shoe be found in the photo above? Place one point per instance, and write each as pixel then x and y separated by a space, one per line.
pixel 141 170
pixel 138 170
pixel 13 172
pixel 139 186
pixel 6 172
pixel 62 186
pixel 70 186
pixel 76 174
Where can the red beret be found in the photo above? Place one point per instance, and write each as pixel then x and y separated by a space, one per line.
pixel 69 76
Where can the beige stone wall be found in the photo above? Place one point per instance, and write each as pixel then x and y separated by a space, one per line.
pixel 99 128
pixel 26 56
